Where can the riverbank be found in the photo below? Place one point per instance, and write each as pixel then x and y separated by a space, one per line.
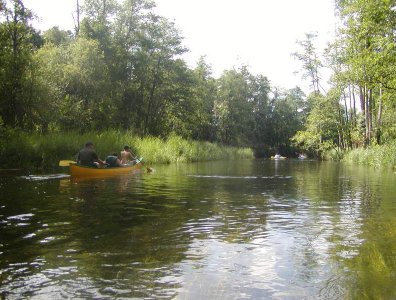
pixel 43 151
pixel 376 156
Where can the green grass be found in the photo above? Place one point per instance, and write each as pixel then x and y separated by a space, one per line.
pixel 377 156
pixel 36 151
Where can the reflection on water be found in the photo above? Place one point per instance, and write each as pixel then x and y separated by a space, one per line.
pixel 249 229
pixel 45 177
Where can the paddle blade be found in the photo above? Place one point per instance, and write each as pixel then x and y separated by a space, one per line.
pixel 140 160
pixel 66 163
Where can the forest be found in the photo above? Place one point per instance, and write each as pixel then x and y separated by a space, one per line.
pixel 121 69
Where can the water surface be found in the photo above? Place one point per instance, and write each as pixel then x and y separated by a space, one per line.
pixel 253 229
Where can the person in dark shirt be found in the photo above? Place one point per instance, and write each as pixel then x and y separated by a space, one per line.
pixel 88 157
pixel 113 161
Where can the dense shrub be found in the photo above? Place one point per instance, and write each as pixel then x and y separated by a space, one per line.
pixel 377 156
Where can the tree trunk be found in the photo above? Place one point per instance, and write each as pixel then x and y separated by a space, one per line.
pixel 347 126
pixel 354 107
pixel 147 124
pixel 370 114
pixel 379 119
pixel 365 105
pixel 77 21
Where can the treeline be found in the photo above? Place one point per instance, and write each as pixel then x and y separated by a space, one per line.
pixel 359 109
pixel 122 69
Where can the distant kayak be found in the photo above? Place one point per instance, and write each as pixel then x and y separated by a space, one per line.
pixel 301 156
pixel 278 157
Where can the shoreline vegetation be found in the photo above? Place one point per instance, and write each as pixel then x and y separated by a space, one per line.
pixel 377 156
pixel 120 78
pixel 33 151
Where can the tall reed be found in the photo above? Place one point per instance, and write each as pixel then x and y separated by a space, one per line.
pixel 377 156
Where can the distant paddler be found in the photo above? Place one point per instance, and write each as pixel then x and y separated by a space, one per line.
pixel 302 156
pixel 277 156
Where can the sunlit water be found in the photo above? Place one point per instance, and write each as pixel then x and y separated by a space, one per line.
pixel 225 230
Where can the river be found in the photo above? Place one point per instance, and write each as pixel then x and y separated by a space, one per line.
pixel 251 229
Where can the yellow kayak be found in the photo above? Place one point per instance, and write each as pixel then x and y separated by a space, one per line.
pixel 83 171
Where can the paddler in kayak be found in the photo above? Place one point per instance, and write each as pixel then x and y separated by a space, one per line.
pixel 113 161
pixel 87 156
pixel 127 157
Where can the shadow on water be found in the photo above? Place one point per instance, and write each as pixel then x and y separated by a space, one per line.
pixel 220 230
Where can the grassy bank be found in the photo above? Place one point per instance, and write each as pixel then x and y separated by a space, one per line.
pixel 377 156
pixel 34 151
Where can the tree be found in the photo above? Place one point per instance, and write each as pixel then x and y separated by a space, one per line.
pixel 234 107
pixel 152 73
pixel 98 25
pixel 261 89
pixel 368 51
pixel 204 93
pixel 75 78
pixel 57 36
pixel 311 63
pixel 17 42
pixel 321 132
pixel 285 115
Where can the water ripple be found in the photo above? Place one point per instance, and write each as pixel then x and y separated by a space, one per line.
pixel 253 231
pixel 45 177
pixel 240 177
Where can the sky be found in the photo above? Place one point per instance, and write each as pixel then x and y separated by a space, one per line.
pixel 261 34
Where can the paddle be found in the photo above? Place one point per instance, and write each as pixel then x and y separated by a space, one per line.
pixel 66 163
pixel 140 160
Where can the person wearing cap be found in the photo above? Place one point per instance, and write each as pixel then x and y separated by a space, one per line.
pixel 127 157
pixel 88 157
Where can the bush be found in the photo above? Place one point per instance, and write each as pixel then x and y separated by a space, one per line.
pixel 377 156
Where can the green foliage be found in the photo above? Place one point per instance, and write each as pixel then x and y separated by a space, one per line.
pixel 358 110
pixel 74 77
pixel 57 36
pixel 233 107
pixel 122 70
pixel 37 151
pixel 246 114
pixel 377 155
pixel 17 41
pixel 204 93
pixel 388 128
pixel 176 149
pixel 311 64
pixel 18 152
pixel 321 132
pixel 365 56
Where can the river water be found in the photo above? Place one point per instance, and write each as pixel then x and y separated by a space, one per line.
pixel 252 229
